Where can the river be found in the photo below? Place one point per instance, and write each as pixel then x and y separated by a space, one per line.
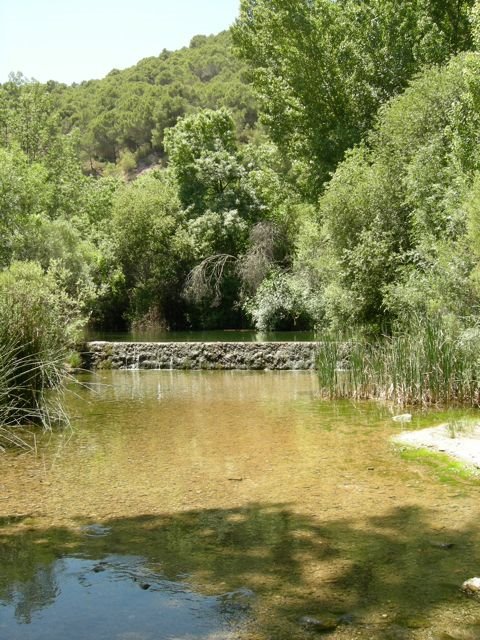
pixel 232 505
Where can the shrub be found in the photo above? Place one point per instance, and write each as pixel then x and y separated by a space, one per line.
pixel 38 323
pixel 280 303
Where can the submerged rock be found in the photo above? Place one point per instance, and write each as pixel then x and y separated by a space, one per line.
pixel 346 618
pixel 325 623
pixel 442 545
pixel 101 566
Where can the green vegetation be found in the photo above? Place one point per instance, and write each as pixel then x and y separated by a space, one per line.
pixel 154 197
pixel 447 470
pixel 322 69
pixel 37 324
pixel 422 365
pixel 121 120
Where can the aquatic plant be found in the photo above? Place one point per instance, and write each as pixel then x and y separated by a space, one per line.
pixel 461 427
pixel 424 363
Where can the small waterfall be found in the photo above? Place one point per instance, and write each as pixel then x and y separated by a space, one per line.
pixel 135 359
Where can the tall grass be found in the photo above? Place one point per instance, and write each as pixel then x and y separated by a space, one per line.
pixel 37 323
pixel 31 391
pixel 428 363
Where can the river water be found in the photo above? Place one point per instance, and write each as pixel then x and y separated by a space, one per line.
pixel 232 505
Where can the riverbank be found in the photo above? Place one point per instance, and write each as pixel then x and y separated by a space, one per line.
pixel 459 440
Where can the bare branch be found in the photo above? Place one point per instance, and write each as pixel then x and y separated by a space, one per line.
pixel 206 278
pixel 258 260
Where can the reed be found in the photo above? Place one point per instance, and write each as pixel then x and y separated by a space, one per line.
pixel 426 363
pixel 37 325
pixel 31 391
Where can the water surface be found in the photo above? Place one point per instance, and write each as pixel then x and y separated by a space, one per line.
pixel 233 505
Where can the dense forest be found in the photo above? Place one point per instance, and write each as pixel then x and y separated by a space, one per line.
pixel 314 167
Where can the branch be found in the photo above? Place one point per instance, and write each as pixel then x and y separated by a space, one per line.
pixel 206 278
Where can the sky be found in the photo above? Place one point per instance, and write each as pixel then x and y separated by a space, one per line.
pixel 74 40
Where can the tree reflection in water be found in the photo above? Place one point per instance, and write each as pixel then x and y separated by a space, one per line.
pixel 259 568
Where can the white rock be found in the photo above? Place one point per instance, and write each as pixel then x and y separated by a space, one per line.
pixel 472 585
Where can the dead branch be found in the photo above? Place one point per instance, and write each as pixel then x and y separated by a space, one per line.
pixel 206 278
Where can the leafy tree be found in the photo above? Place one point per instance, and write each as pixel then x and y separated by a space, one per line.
pixel 391 237
pixel 322 69
pixel 152 255
pixel 22 194
pixel 30 118
pixel 201 150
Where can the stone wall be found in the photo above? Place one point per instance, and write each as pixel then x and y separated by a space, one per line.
pixel 200 355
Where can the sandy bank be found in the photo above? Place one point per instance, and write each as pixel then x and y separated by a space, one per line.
pixel 461 442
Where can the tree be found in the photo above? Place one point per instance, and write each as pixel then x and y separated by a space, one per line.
pixel 152 255
pixel 202 155
pixel 30 119
pixel 322 69
pixel 24 193
pixel 391 239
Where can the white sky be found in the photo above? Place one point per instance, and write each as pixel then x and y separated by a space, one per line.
pixel 74 40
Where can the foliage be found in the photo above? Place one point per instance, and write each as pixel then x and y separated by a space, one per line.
pixel 126 113
pixel 38 324
pixel 207 165
pixel 22 194
pixel 322 69
pixel 392 224
pixel 279 303
pixel 227 197
pixel 146 219
pixel 29 117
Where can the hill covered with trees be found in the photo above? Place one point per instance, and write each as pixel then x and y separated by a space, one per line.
pixel 120 120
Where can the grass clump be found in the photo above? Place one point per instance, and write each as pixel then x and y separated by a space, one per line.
pixel 38 323
pixel 427 363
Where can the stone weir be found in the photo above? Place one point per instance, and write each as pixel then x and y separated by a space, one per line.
pixel 200 355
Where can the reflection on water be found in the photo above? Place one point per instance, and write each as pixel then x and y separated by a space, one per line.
pixel 140 604
pixel 230 505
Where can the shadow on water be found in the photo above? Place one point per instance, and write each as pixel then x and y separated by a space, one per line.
pixel 253 572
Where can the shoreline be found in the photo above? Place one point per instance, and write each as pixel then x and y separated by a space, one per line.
pixel 461 442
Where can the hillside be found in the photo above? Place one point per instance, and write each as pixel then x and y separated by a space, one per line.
pixel 121 118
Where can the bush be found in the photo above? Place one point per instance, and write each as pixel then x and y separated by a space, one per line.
pixel 280 303
pixel 38 324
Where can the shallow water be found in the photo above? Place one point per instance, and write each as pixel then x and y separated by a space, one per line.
pixel 215 505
